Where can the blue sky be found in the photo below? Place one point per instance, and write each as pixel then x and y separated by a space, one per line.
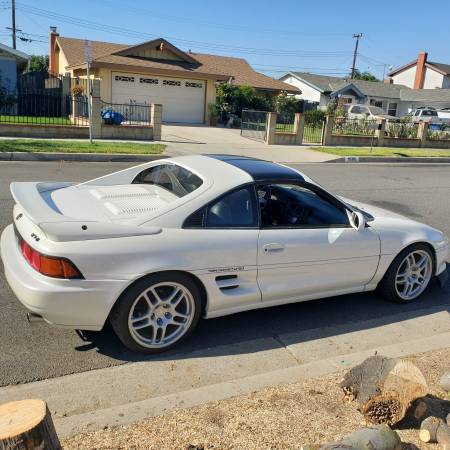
pixel 313 36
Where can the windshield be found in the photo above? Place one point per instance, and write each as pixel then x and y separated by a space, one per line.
pixel 174 178
pixel 376 111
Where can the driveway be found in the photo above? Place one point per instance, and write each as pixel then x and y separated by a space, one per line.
pixel 200 139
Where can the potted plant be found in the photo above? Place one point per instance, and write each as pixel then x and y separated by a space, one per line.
pixel 214 114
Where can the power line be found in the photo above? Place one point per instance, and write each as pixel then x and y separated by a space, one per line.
pixel 83 23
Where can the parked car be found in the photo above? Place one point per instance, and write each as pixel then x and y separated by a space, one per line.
pixel 425 115
pixel 368 112
pixel 154 247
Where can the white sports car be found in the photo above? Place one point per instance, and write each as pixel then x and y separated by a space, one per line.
pixel 155 247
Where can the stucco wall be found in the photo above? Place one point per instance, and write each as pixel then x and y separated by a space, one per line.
pixel 8 72
pixel 43 131
pixel 135 133
pixel 432 79
pixel 406 77
pixel 308 93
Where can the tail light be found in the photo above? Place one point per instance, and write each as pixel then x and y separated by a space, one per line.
pixel 50 266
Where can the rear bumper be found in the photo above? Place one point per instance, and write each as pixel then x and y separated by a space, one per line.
pixel 77 304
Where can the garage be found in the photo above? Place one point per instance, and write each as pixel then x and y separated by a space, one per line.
pixel 183 99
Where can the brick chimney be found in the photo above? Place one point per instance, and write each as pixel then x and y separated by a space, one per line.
pixel 420 70
pixel 53 57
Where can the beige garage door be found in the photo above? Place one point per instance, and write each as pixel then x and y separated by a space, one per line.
pixel 183 100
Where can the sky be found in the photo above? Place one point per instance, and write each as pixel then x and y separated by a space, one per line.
pixel 273 36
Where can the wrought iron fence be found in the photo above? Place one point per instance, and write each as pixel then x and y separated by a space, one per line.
pixel 79 110
pixel 313 133
pixel 125 114
pixel 285 124
pixel 354 127
pixel 253 124
pixel 402 130
pixel 39 108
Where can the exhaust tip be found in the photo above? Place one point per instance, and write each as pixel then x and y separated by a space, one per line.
pixel 33 317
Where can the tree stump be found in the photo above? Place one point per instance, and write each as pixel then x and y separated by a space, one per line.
pixel 384 388
pixel 444 382
pixel 26 425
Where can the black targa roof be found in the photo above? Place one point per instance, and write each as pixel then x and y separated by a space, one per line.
pixel 259 169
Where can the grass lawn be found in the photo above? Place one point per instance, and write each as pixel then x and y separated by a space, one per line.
pixel 35 120
pixel 35 145
pixel 384 151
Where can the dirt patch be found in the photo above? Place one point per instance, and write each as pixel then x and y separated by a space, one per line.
pixel 283 417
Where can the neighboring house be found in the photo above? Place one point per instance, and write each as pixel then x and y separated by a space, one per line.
pixel 158 72
pixel 422 74
pixel 394 99
pixel 12 63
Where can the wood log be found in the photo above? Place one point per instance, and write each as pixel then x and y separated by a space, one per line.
pixel 380 437
pixel 384 388
pixel 424 407
pixel 435 430
pixel 444 382
pixel 26 425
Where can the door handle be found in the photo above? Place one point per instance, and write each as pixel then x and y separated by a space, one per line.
pixel 273 247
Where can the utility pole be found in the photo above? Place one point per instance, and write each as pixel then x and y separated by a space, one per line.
pixel 13 10
pixel 357 36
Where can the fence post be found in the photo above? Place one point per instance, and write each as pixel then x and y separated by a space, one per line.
pixel 328 131
pixel 65 92
pixel 422 132
pixel 299 126
pixel 271 125
pixel 96 110
pixel 380 132
pixel 155 120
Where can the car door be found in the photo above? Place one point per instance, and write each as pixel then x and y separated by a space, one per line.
pixel 226 232
pixel 307 247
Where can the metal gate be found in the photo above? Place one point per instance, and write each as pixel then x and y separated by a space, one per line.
pixel 313 133
pixel 254 124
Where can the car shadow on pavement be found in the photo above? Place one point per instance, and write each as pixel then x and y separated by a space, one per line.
pixel 264 329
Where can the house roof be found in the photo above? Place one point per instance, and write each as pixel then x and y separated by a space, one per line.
pixel 18 54
pixel 327 84
pixel 442 68
pixel 197 64
pixel 426 95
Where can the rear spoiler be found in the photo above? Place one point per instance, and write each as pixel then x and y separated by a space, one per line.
pixel 34 201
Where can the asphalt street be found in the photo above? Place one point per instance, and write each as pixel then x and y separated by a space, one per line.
pixel 38 351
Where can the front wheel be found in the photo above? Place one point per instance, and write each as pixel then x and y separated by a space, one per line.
pixel 157 312
pixel 409 274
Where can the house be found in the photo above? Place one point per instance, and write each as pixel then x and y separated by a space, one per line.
pixel 394 99
pixel 422 74
pixel 158 72
pixel 12 63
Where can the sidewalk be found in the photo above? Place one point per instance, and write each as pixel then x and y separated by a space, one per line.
pixel 286 417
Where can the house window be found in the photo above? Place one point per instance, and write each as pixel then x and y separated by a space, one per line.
pixel 171 83
pixel 346 100
pixel 149 80
pixel 375 102
pixel 194 85
pixel 123 78
pixel 392 109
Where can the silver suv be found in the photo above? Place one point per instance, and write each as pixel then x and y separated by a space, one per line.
pixel 426 115
pixel 368 112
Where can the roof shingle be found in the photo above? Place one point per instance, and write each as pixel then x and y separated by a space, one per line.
pixel 221 67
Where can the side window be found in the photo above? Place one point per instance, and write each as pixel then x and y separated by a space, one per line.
pixel 235 209
pixel 290 205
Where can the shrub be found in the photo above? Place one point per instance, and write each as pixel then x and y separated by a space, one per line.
pixel 314 117
pixel 286 106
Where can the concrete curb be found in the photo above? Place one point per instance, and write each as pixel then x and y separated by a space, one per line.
pixel 135 411
pixel 78 157
pixel 380 159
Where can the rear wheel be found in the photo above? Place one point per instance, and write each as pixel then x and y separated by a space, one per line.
pixel 409 274
pixel 157 312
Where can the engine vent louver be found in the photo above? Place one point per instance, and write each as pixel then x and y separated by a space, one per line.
pixel 227 282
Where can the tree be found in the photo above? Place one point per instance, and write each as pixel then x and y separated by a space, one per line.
pixel 38 63
pixel 367 76
pixel 286 106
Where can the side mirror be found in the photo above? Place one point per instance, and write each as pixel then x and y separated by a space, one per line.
pixel 357 221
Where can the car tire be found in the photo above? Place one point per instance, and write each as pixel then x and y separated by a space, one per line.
pixel 164 304
pixel 393 288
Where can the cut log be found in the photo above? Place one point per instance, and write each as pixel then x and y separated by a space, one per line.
pixel 26 425
pixel 380 437
pixel 424 407
pixel 444 382
pixel 384 388
pixel 435 430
